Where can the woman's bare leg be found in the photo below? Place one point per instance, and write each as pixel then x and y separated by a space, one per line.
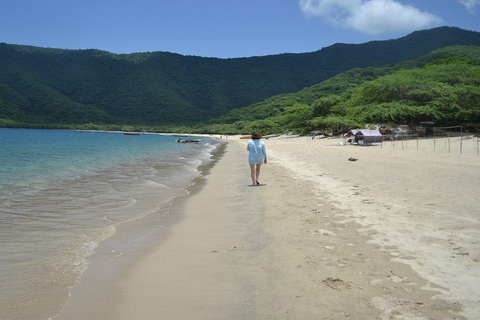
pixel 253 174
pixel 257 173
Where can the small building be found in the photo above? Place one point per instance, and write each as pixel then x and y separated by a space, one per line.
pixel 365 136
pixel 369 136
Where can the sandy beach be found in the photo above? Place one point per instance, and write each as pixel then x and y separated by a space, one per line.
pixel 392 235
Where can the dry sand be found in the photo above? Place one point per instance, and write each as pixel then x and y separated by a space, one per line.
pixel 393 235
pixel 412 217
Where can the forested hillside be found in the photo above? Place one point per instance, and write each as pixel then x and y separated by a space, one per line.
pixel 443 86
pixel 55 88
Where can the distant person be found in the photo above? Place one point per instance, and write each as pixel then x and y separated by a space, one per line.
pixel 257 154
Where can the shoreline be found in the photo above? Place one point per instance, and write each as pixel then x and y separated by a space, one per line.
pixel 106 265
pixel 321 238
pixel 196 249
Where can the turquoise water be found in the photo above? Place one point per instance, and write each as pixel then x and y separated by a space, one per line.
pixel 62 193
pixel 30 156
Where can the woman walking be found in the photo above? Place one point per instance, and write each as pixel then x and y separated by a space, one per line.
pixel 257 154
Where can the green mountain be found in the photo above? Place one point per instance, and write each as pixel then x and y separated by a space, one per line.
pixel 442 86
pixel 42 86
pixel 338 84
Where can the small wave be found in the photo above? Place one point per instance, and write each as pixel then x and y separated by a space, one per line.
pixel 132 202
pixel 154 183
pixel 92 245
pixel 79 263
pixel 193 164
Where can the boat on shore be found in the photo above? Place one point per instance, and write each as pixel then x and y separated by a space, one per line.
pixel 131 133
pixel 179 140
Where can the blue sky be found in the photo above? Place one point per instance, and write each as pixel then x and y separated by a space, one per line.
pixel 224 28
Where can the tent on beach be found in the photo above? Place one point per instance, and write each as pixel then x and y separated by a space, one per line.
pixel 365 136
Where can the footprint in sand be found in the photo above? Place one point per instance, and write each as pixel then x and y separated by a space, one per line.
pixel 337 284
pixel 324 232
pixel 342 263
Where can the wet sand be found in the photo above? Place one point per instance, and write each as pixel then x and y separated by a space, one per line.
pixel 393 235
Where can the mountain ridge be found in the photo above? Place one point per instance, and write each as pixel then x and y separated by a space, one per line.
pixel 61 86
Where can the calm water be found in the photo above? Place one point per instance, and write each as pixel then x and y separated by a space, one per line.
pixel 63 192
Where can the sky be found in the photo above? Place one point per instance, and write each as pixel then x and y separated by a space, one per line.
pixel 224 28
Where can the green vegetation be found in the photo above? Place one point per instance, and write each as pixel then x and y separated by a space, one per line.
pixel 442 87
pixel 334 88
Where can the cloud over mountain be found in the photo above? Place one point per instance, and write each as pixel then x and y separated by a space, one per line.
pixel 470 4
pixel 371 16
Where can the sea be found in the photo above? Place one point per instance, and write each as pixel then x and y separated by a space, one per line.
pixel 64 193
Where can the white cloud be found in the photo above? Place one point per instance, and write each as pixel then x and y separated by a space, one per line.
pixel 370 16
pixel 470 4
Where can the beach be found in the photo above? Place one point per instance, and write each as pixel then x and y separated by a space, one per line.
pixel 391 235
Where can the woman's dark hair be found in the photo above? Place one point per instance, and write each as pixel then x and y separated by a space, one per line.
pixel 256 135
